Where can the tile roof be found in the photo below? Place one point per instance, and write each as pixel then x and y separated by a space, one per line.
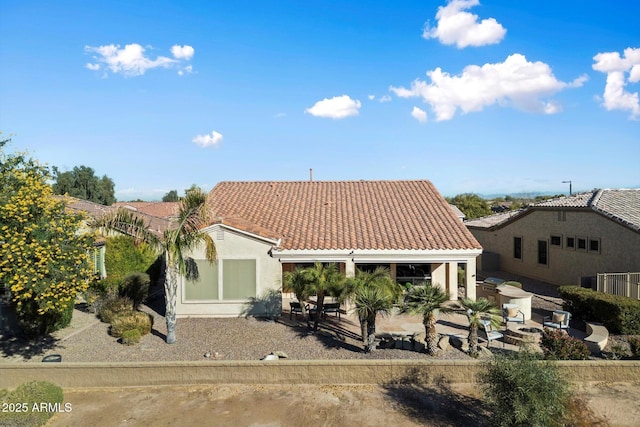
pixel 344 214
pixel 491 220
pixel 159 209
pixel 621 205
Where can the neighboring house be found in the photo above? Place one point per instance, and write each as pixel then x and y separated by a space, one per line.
pixel 262 229
pixel 458 212
pixel 568 240
pixel 166 210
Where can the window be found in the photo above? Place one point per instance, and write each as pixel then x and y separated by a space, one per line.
pixel 413 273
pixel 517 247
pixel 571 243
pixel 370 268
pixel 582 244
pixel 543 252
pixel 594 245
pixel 206 287
pixel 556 240
pixel 562 216
pixel 238 279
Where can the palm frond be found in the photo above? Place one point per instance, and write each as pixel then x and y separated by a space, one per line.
pixel 126 222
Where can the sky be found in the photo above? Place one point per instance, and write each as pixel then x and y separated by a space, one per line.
pixel 488 97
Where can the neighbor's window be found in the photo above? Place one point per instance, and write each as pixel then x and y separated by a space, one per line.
pixel 594 245
pixel 543 252
pixel 556 240
pixel 582 244
pixel 571 243
pixel 238 279
pixel 206 287
pixel 517 247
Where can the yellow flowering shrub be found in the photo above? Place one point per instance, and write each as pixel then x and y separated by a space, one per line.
pixel 43 260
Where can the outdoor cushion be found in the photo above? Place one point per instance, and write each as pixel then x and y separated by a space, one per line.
pixel 512 312
pixel 558 317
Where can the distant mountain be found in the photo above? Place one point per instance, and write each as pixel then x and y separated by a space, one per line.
pixel 522 195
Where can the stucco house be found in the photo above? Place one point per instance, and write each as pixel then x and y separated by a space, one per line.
pixel 262 229
pixel 568 240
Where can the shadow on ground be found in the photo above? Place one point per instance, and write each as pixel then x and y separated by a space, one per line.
pixel 25 348
pixel 435 403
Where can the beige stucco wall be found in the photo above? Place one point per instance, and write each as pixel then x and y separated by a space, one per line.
pixel 618 246
pixel 234 245
pixel 72 375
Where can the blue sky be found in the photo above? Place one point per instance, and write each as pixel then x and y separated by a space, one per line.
pixel 476 96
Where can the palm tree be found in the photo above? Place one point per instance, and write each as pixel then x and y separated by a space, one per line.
pixel 322 280
pixel 477 310
pixel 184 235
pixel 297 281
pixel 427 300
pixel 369 302
pixel 381 279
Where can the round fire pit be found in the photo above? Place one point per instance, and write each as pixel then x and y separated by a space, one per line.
pixel 523 336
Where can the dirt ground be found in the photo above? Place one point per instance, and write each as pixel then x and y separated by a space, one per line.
pixel 298 405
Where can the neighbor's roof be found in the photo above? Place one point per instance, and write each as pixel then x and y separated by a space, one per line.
pixel 159 209
pixel 344 214
pixel 620 205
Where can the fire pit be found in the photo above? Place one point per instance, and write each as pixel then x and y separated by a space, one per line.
pixel 523 336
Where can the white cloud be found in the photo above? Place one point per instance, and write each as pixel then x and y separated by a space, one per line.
pixel 371 97
pixel 182 52
pixel 132 59
pixel 337 107
pixel 515 82
pixel 615 96
pixel 280 115
pixel 419 115
pixel 212 140
pixel 385 98
pixel 455 26
pixel 186 70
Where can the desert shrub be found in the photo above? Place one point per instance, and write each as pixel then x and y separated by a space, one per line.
pixel 523 390
pixel 620 315
pixel 25 396
pixel 124 256
pixel 131 320
pixel 34 324
pixel 634 346
pixel 557 345
pixel 131 337
pixel 110 306
pixel 513 283
pixel 135 286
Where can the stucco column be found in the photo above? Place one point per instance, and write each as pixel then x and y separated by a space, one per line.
pixel 470 279
pixel 392 270
pixel 439 275
pixel 452 280
pixel 349 268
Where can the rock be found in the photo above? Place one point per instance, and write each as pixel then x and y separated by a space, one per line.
pixel 207 355
pixel 443 343
pixel 270 357
pixel 281 354
pixel 459 342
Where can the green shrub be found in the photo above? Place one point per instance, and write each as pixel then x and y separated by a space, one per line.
pixel 131 320
pixel 26 395
pixel 557 345
pixel 135 286
pixel 634 346
pixel 620 315
pixel 522 390
pixel 131 337
pixel 124 256
pixel 34 324
pixel 513 283
pixel 110 306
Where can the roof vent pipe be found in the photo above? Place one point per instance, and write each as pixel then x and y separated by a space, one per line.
pixel 310 174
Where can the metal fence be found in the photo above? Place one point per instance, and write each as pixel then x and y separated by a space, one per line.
pixel 625 284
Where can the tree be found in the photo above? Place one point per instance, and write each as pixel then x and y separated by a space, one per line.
pixel 427 301
pixel 171 196
pixel 477 310
pixel 322 280
pixel 523 391
pixel 472 205
pixel 369 303
pixel 43 260
pixel 82 183
pixel 183 235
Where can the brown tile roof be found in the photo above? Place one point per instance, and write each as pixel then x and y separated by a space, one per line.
pixel 345 214
pixel 159 209
pixel 620 205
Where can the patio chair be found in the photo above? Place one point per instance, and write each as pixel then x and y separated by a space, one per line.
pixel 489 333
pixel 558 320
pixel 331 307
pixel 296 307
pixel 511 313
